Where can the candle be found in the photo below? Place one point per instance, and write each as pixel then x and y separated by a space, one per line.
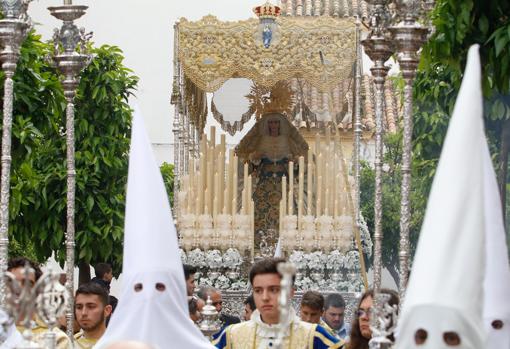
pixel 326 201
pixel 284 194
pixel 206 206
pixel 318 204
pixel 291 188
pixel 215 199
pixel 245 186
pixel 228 192
pixel 68 2
pixel 301 184
pixel 221 171
pixel 234 186
pixel 201 184
pixel 309 190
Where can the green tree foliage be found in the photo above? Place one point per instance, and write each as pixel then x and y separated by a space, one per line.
pixel 391 179
pixel 167 171
pixel 102 130
pixel 460 24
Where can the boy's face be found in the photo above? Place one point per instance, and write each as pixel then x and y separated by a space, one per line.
pixel 266 290
pixel 311 315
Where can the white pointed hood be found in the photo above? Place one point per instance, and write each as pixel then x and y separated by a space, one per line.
pixel 445 288
pixel 497 269
pixel 152 307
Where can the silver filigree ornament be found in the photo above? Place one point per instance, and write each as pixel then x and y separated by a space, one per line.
pixel 47 297
pixel 383 321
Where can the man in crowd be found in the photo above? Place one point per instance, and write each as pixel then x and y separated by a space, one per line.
pixel 17 267
pixel 104 275
pixel 189 275
pixel 334 311
pixel 195 306
pixel 91 309
pixel 217 301
pixel 249 307
pixel 260 331
pixel 312 306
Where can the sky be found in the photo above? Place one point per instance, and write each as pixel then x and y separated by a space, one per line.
pixel 144 31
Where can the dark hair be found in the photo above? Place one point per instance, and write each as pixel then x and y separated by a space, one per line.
pixel 20 262
pixel 334 300
pixel 251 302
pixel 94 289
pixel 357 341
pixel 101 269
pixel 266 266
pixel 313 299
pixel 189 270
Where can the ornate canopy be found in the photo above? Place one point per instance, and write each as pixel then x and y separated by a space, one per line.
pixel 319 50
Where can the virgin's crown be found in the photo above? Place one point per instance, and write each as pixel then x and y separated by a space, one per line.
pixel 267 10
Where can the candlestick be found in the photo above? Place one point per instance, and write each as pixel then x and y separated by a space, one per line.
pixel 301 179
pixel 309 190
pixel 245 184
pixel 284 194
pixel 319 195
pixel 228 192
pixel 291 188
pixel 206 206
pixel 234 186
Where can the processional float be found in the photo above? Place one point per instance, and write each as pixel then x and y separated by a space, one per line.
pixel 333 100
pixel 306 65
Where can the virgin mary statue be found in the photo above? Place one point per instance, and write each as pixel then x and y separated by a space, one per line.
pixel 268 147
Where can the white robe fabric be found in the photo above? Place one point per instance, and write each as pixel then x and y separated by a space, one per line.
pixel 445 288
pixel 497 269
pixel 13 339
pixel 152 307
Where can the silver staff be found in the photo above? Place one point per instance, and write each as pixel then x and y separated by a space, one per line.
pixel 13 31
pixel 71 58
pixel 409 36
pixel 287 271
pixel 379 48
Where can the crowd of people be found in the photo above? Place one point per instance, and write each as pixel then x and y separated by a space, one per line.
pixel 322 317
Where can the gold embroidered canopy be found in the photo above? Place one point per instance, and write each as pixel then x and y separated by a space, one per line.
pixel 320 50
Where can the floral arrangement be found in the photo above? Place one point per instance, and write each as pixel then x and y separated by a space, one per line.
pixel 184 258
pixel 316 260
pixel 299 259
pixel 196 258
pixel 334 260
pixel 232 258
pixel 213 259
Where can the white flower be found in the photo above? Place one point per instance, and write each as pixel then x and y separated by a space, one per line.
pixel 334 260
pixel 315 260
pixel 239 285
pixel 305 284
pixel 196 258
pixel 232 258
pixel 352 260
pixel 213 259
pixel 298 259
pixel 222 282
pixel 183 256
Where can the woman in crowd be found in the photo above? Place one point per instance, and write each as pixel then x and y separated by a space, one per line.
pixel 360 329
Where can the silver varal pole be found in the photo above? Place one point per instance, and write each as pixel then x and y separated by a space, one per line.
pixel 70 58
pixel 408 36
pixel 357 126
pixel 379 48
pixel 287 271
pixel 13 31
